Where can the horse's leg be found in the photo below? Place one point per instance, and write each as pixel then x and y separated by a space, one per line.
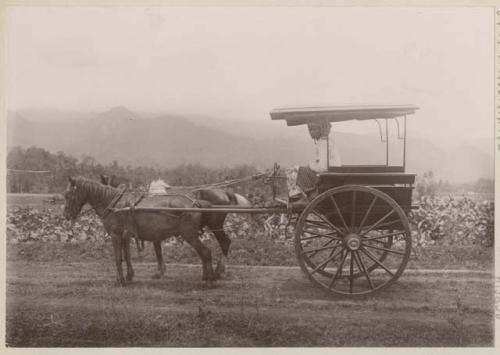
pixel 204 253
pixel 215 225
pixel 139 243
pixel 126 252
pixel 116 239
pixel 224 243
pixel 159 259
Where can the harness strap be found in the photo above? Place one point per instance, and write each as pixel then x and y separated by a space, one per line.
pixel 113 202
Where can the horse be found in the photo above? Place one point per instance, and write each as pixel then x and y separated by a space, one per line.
pixel 213 221
pixel 152 226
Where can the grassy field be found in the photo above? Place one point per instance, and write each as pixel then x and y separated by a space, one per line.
pixel 31 200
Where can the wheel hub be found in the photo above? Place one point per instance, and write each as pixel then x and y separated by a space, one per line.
pixel 352 241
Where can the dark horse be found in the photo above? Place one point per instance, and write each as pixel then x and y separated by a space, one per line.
pixel 214 222
pixel 153 226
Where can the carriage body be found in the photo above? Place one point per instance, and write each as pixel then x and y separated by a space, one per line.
pixel 390 179
pixel 353 219
pixel 398 186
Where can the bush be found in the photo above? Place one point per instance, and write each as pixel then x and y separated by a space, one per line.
pixel 452 220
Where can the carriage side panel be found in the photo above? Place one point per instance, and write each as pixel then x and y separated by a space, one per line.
pixel 398 186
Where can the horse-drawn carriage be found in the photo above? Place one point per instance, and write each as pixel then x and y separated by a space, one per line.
pixel 352 235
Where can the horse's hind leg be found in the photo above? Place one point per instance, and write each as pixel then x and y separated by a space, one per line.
pixel 204 254
pixel 159 259
pixel 216 224
pixel 224 243
pixel 126 252
pixel 116 239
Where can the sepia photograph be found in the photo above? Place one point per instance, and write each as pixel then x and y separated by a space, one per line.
pixel 248 176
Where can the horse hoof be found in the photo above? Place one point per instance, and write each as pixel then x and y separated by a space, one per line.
pixel 221 268
pixel 129 278
pixel 157 276
pixel 209 284
pixel 121 283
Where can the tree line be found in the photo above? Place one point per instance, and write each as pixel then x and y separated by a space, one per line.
pixel 36 170
pixel 24 166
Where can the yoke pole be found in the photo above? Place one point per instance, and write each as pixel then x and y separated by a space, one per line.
pixel 212 209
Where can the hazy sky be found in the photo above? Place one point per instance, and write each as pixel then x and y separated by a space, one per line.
pixel 238 63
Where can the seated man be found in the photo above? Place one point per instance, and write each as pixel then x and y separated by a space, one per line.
pixel 306 180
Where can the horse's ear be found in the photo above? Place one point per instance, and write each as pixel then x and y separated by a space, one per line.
pixel 72 180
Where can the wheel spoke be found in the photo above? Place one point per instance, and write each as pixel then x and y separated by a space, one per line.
pixel 331 253
pixel 370 242
pixel 328 222
pixel 339 213
pixel 333 250
pixel 378 222
pixel 389 223
pixel 361 266
pixel 310 229
pixel 324 263
pixel 383 236
pixel 368 254
pixel 311 223
pixel 367 213
pixel 339 271
pixel 331 235
pixel 384 249
pixel 351 272
pixel 324 247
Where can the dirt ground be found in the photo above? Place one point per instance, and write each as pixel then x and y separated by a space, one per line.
pixel 78 304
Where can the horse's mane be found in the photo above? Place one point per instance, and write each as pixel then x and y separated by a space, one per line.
pixel 95 188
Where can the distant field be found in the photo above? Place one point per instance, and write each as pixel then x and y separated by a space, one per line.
pixel 30 200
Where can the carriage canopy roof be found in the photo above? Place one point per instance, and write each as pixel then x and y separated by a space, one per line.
pixel 303 115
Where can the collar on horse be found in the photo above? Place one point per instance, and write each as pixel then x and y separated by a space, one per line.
pixel 113 202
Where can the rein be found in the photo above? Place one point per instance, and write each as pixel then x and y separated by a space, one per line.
pixel 210 186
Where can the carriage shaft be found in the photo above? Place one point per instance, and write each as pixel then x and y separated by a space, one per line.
pixel 213 209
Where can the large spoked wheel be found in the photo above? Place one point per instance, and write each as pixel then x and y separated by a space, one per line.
pixel 353 240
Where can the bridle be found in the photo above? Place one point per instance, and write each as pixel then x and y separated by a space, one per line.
pixel 108 208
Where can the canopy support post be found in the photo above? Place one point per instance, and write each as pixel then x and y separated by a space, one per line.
pixel 328 151
pixel 404 145
pixel 386 143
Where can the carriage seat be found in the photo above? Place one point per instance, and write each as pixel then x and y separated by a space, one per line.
pixel 307 179
pixel 302 181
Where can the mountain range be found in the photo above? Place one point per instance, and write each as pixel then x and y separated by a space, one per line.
pixel 167 140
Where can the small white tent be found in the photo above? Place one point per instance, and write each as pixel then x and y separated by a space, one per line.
pixel 158 187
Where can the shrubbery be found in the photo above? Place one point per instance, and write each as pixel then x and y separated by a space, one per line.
pixel 453 220
pixel 439 220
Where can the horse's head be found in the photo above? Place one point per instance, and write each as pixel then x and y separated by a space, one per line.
pixel 105 179
pixel 75 198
